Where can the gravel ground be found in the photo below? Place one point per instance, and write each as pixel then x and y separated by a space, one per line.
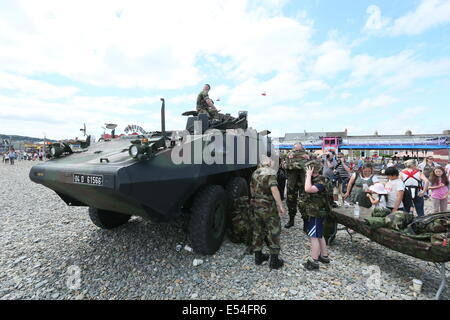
pixel 44 243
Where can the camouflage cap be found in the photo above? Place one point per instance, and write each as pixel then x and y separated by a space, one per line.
pixel 265 161
pixel 315 164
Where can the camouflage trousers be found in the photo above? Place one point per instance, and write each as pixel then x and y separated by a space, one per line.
pixel 267 224
pixel 295 187
pixel 213 114
pixel 242 226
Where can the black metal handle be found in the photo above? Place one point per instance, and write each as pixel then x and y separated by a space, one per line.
pixel 106 159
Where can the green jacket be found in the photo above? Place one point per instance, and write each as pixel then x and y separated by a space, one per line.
pixel 318 204
pixel 295 160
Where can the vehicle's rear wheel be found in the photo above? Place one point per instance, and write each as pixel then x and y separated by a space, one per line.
pixel 107 219
pixel 208 217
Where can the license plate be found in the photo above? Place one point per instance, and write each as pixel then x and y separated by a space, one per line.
pixel 90 179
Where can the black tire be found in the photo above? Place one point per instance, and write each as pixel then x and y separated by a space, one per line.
pixel 107 219
pixel 208 219
pixel 236 188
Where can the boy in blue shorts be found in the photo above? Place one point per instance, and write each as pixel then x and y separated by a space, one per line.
pixel 317 207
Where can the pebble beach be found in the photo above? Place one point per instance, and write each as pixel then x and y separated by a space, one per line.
pixel 52 251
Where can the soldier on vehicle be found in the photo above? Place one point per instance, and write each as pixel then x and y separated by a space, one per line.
pixel 316 204
pixel 205 104
pixel 295 169
pixel 268 208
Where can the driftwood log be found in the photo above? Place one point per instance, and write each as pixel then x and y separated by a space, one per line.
pixel 392 239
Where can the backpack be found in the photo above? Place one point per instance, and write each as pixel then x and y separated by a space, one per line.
pixel 410 175
pixel 434 223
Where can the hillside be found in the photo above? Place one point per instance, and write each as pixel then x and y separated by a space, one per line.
pixel 14 138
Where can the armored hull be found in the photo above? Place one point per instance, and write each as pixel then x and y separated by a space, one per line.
pixel 200 171
pixel 107 178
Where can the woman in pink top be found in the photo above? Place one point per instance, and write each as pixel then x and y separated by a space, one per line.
pixel 439 189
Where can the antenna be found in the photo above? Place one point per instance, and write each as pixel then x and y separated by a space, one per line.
pixel 163 117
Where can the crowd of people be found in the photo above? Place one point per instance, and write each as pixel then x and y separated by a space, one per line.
pixel 10 156
pixel 317 182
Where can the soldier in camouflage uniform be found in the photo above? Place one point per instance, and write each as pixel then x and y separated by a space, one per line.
pixel 242 222
pixel 316 202
pixel 295 169
pixel 206 105
pixel 267 210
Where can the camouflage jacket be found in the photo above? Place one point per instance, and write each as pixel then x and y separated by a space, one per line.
pixel 434 228
pixel 318 204
pixel 398 221
pixel 201 101
pixel 262 180
pixel 295 160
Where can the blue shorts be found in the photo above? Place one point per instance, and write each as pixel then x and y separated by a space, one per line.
pixel 315 227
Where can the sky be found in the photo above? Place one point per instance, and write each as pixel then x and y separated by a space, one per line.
pixel 324 65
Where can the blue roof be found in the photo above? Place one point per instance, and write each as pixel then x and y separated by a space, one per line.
pixel 373 147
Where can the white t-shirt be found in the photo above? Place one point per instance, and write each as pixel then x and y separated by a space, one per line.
pixel 392 187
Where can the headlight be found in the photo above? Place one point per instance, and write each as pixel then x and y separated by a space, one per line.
pixel 134 151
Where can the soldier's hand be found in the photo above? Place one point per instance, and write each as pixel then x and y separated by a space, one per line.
pixel 281 210
pixel 309 170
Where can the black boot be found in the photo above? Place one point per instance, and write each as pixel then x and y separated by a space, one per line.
pixel 311 265
pixel 290 223
pixel 324 259
pixel 260 257
pixel 275 262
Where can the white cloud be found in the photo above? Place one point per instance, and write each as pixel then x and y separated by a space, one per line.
pixel 429 14
pixel 63 119
pixel 379 102
pixel 333 58
pixel 117 43
pixel 283 88
pixel 35 88
pixel 395 72
pixel 375 21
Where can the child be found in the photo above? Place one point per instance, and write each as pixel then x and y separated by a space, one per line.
pixel 316 207
pixel 439 190
pixel 378 197
pixel 395 190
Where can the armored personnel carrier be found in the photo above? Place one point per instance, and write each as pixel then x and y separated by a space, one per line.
pixel 161 175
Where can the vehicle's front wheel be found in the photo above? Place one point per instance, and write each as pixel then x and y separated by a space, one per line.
pixel 208 216
pixel 107 219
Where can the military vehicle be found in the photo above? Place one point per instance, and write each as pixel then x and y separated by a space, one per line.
pixel 156 177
